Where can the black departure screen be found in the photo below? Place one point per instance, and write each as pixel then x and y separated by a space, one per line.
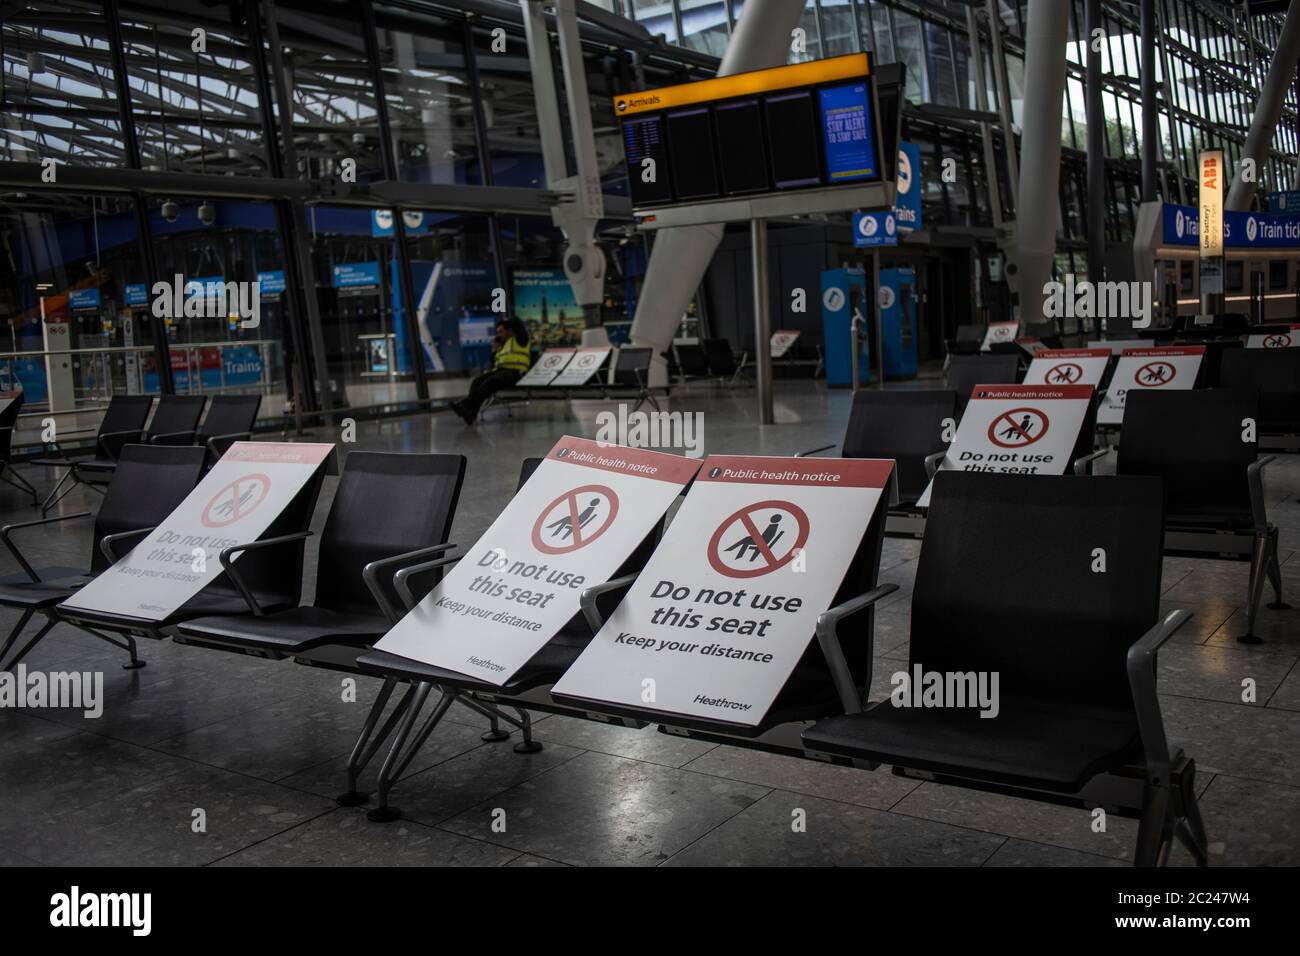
pixel 690 144
pixel 793 134
pixel 644 139
pixel 740 147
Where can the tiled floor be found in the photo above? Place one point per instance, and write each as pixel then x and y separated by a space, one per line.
pixel 203 757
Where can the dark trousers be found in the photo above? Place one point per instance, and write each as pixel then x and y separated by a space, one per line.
pixel 487 385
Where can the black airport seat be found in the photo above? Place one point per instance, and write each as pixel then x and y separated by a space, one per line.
pixel 722 360
pixel 1276 374
pixel 150 481
pixel 907 425
pixel 388 510
pixel 269 575
pixel 1196 441
pixel 967 371
pixel 8 472
pixel 230 418
pixel 692 360
pixel 1008 585
pixel 123 422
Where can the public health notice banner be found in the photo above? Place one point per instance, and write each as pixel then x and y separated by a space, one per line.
pixel 548 366
pixel 729 601
pixel 234 504
pixel 571 526
pixel 1068 367
pixel 1017 430
pixel 584 364
pixel 999 333
pixel 1275 340
pixel 1174 367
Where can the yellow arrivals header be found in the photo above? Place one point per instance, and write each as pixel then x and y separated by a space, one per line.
pixel 854 66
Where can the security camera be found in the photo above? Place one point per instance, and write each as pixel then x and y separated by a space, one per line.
pixel 171 210
pixel 207 213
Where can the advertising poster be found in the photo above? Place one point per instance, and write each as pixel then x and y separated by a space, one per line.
pixel 544 301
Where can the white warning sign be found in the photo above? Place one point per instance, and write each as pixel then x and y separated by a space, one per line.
pixel 234 504
pixel 782 339
pixel 718 619
pixel 582 366
pixel 1068 367
pixel 571 525
pixel 547 367
pixel 999 333
pixel 1172 367
pixel 1275 339
pixel 1017 430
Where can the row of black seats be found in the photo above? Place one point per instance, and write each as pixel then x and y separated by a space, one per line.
pixel 1079 722
pixel 177 420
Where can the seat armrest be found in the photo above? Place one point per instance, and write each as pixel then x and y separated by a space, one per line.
pixel 166 437
pixel 587 599
pixel 814 451
pixel 1083 464
pixel 402 579
pixel 108 543
pixel 1142 682
pixel 227 563
pixel 828 637
pixel 213 443
pixel 13 548
pixel 370 574
pixel 1255 478
pixel 101 440
pixel 932 462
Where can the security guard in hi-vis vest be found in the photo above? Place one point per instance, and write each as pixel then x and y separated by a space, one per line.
pixel 510 360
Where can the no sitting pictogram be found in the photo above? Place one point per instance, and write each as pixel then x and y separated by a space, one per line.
pixel 575 519
pixel 1018 427
pixel 587 360
pixel 1067 373
pixel 551 361
pixel 236 500
pixel 1154 374
pixel 1279 341
pixel 758 539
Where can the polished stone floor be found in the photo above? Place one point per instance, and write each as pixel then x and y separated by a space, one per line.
pixel 259 747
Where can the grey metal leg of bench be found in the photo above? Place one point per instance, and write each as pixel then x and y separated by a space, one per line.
pixel 1259 557
pixel 1275 575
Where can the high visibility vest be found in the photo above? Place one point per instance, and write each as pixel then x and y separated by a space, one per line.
pixel 512 355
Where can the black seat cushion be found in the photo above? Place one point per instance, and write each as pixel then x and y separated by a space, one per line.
pixel 292 630
pixel 1024 745
pixel 56 585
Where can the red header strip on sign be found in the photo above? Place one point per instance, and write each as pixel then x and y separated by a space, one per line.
pixel 286 453
pixel 1040 392
pixel 624 461
pixel 1170 350
pixel 818 472
pixel 1072 353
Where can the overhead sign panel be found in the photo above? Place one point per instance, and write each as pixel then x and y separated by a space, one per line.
pixel 1173 367
pixel 800 126
pixel 571 525
pixel 1017 430
pixel 234 504
pixel 1181 226
pixel 728 603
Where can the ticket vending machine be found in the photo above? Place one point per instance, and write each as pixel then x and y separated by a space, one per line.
pixel 844 293
pixel 897 300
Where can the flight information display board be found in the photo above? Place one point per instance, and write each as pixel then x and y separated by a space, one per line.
pixel 802 126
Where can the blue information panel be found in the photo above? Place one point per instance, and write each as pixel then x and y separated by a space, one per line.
pixel 354 275
pixel 1181 226
pixel 137 294
pixel 1287 203
pixel 271 283
pixel 84 300
pixel 874 229
pixel 907 202
pixel 847 133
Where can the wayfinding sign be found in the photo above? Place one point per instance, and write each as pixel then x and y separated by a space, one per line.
pixel 1172 367
pixel 729 601
pixel 234 504
pixel 571 526
pixel 1017 430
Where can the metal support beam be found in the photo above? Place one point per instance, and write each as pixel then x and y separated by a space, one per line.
pixel 1096 117
pixel 1004 100
pixel 143 231
pixel 982 102
pixel 1045 38
pixel 387 151
pixel 1150 117
pixel 762 321
pixel 1268 109
pixel 484 152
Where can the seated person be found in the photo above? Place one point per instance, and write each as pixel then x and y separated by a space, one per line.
pixel 510 360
